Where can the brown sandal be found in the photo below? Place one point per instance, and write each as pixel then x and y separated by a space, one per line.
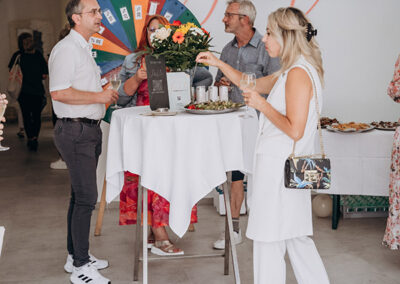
pixel 165 248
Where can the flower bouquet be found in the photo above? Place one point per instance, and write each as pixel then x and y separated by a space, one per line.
pixel 179 44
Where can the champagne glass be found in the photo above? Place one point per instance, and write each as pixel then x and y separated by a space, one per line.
pixel 2 111
pixel 115 83
pixel 248 81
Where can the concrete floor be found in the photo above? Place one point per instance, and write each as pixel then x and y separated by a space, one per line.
pixel 33 207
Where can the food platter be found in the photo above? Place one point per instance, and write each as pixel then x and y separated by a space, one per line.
pixel 350 127
pixel 210 111
pixel 213 107
pixel 385 125
pixel 325 121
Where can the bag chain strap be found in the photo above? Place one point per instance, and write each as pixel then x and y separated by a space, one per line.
pixel 319 124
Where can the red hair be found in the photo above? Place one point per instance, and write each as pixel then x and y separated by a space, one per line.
pixel 144 40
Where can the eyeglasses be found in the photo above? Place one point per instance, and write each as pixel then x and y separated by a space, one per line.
pixel 152 30
pixel 230 15
pixel 93 12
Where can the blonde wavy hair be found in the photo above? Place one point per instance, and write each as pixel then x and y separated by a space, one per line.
pixel 289 27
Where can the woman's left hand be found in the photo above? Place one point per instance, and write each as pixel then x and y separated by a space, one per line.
pixel 253 99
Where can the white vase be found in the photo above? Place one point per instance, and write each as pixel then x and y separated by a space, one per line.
pixel 178 90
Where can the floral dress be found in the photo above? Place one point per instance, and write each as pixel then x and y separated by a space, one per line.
pixel 158 207
pixel 392 234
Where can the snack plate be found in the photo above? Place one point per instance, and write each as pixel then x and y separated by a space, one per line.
pixel 210 111
pixel 351 130
pixel 385 128
pixel 156 113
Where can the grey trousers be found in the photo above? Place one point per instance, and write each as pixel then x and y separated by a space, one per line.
pixel 80 146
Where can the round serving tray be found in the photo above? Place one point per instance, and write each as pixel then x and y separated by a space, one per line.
pixel 209 111
pixel 349 130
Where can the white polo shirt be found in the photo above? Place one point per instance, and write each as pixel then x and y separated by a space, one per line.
pixel 71 65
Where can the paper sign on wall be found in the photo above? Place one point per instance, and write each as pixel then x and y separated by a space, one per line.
pixel 96 41
pixel 168 16
pixel 153 8
pixel 124 14
pixel 138 12
pixel 109 16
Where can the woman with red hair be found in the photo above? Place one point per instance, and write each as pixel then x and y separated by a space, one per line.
pixel 134 92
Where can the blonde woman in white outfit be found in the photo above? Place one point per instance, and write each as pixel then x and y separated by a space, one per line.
pixel 280 219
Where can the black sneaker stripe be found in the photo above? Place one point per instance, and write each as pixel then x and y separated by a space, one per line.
pixel 80 276
pixel 87 281
pixel 93 261
pixel 84 278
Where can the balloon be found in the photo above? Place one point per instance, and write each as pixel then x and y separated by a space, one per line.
pixel 322 205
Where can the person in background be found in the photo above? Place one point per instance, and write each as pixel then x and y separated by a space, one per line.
pixel 134 92
pixel 79 103
pixel 32 97
pixel 391 238
pixel 2 119
pixel 245 53
pixel 280 219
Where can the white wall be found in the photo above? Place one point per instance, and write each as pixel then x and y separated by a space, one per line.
pixel 359 39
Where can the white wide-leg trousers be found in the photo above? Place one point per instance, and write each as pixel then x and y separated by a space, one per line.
pixel 270 267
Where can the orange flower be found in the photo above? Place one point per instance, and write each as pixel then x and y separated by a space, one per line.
pixel 178 37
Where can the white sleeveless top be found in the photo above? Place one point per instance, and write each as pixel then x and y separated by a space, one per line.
pixel 271 137
pixel 278 213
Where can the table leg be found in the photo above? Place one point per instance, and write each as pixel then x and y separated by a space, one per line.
pixel 138 240
pixel 227 240
pixel 335 211
pixel 230 226
pixel 102 207
pixel 144 235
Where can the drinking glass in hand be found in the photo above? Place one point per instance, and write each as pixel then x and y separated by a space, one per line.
pixel 115 83
pixel 248 81
pixel 2 111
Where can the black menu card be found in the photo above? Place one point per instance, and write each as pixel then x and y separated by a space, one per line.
pixel 157 81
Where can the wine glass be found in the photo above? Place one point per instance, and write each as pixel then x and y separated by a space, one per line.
pixel 248 81
pixel 3 107
pixel 115 83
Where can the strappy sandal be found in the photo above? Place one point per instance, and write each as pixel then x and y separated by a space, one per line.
pixel 150 240
pixel 165 248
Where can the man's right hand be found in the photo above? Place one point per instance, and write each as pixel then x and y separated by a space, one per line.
pixel 223 82
pixel 108 96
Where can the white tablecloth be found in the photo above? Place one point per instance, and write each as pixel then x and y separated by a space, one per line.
pixel 180 157
pixel 360 162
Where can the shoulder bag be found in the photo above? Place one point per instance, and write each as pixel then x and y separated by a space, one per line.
pixel 311 171
pixel 15 79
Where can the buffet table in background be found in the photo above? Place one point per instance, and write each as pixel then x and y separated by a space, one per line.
pixel 360 164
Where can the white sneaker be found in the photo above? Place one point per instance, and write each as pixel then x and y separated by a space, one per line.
pixel 58 165
pixel 220 243
pixel 95 262
pixel 87 274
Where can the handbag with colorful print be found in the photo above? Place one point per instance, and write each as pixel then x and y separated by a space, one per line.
pixel 310 171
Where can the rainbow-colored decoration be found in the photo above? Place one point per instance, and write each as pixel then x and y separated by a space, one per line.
pixel 122 26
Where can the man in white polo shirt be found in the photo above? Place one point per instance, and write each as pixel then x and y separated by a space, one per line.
pixel 79 103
